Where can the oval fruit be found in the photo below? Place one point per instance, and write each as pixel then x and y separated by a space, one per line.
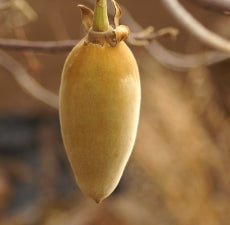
pixel 100 104
pixel 99 112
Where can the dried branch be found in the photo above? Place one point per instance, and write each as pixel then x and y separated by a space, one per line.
pixel 145 36
pixel 37 46
pixel 196 28
pixel 182 62
pixel 30 85
pixel 217 5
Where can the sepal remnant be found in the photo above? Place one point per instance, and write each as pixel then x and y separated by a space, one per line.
pixel 87 16
pixel 111 36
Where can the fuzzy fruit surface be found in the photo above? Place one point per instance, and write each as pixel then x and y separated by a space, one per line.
pixel 99 113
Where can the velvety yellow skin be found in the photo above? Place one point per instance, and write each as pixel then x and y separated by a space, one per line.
pixel 99 113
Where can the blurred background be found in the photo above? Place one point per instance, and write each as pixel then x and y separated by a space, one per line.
pixel 179 171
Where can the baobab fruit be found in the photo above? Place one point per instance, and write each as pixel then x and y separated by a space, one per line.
pixel 100 103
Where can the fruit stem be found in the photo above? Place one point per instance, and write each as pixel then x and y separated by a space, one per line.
pixel 100 19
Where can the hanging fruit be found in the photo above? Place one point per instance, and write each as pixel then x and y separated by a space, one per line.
pixel 100 103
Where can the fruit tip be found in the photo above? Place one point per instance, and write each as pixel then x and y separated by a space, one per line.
pixel 98 201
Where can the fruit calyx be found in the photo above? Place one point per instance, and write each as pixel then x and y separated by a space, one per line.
pixel 96 23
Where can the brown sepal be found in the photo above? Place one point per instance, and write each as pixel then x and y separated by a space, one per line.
pixel 87 16
pixel 122 32
pixel 118 13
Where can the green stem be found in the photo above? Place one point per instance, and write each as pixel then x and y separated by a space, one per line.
pixel 100 19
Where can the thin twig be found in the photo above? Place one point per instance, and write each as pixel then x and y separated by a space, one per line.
pixel 183 62
pixel 147 35
pixel 196 28
pixel 164 32
pixel 30 85
pixel 67 45
pixel 217 5
pixel 38 46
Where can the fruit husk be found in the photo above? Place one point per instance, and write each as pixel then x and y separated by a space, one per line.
pixel 99 107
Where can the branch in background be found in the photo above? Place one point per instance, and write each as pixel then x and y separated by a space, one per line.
pixel 146 36
pixel 217 5
pixel 183 62
pixel 196 28
pixel 140 39
pixel 30 85
pixel 38 46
